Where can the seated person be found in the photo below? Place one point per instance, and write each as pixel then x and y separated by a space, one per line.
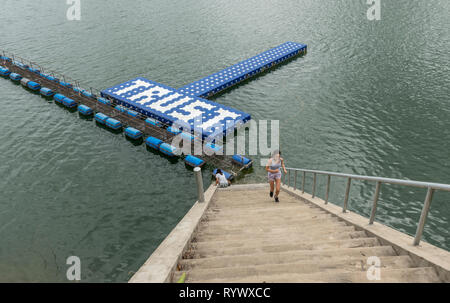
pixel 221 180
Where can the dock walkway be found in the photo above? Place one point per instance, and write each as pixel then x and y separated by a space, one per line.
pixel 235 74
pixel 244 236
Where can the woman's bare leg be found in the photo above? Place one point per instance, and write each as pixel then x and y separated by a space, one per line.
pixel 271 186
pixel 277 192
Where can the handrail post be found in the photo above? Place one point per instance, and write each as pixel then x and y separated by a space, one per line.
pixel 314 185
pixel 347 192
pixel 328 189
pixel 295 179
pixel 199 180
pixel 375 202
pixel 303 182
pixel 289 178
pixel 423 216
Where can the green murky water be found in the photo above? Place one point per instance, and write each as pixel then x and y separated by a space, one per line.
pixel 369 98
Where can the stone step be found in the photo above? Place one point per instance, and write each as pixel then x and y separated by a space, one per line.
pixel 206 235
pixel 249 196
pixel 285 257
pixel 263 240
pixel 263 214
pixel 269 221
pixel 260 203
pixel 261 197
pixel 251 230
pixel 203 250
pixel 304 267
pixel 403 275
pixel 257 209
pixel 272 215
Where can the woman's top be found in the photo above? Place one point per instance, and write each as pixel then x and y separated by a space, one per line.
pixel 222 179
pixel 275 166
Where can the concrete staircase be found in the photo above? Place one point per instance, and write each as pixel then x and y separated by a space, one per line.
pixel 245 237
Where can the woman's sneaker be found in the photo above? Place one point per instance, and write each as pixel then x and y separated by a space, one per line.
pixel 271 194
pixel 276 199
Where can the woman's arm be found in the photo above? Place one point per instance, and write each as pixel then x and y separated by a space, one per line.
pixel 282 164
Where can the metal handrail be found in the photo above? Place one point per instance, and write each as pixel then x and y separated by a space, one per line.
pixel 58 75
pixel 379 180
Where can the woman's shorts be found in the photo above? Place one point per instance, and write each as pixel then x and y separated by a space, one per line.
pixel 274 176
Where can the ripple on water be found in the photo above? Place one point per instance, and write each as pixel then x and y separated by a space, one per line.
pixel 367 99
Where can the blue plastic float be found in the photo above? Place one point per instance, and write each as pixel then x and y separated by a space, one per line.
pixel 240 160
pixel 4 71
pixel 187 136
pixel 66 84
pixel 168 149
pixel 47 92
pixel 21 65
pixel 70 103
pixel 59 98
pixel 101 118
pixel 87 94
pixel 51 78
pixel 154 122
pixel 120 108
pixel 15 77
pixel 132 113
pixel 85 110
pixel 133 133
pixel 194 161
pixel 153 142
pixel 113 123
pixel 104 101
pixel 33 85
pixel 173 130
pixel 35 70
pixel 24 81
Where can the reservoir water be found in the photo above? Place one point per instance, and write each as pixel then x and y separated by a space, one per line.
pixel 370 97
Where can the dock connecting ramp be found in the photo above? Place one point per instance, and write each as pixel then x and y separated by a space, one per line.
pixel 241 235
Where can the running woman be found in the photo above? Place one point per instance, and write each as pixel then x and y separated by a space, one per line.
pixel 273 169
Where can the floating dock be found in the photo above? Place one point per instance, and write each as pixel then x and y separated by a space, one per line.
pixel 149 109
pixel 170 106
pixel 241 71
pixel 102 108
